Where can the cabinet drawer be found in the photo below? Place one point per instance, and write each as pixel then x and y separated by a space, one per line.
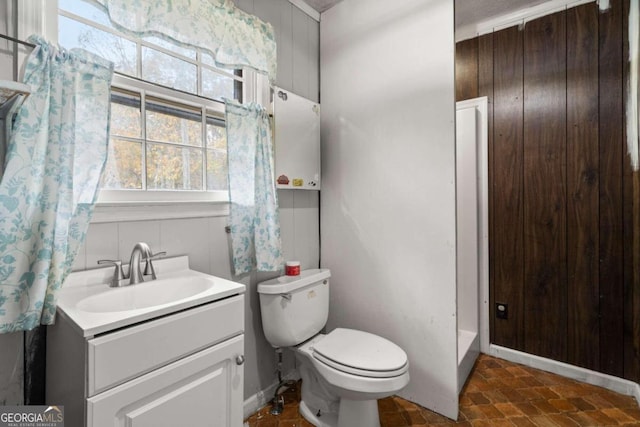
pixel 122 355
pixel 201 390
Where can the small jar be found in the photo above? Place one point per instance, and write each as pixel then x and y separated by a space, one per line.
pixel 292 268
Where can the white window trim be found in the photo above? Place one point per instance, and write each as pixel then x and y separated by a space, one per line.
pixel 127 198
pixel 41 17
pixel 122 211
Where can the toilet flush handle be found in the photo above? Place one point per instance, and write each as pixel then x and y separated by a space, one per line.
pixel 286 296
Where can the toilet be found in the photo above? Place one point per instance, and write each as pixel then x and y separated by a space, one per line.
pixel 343 372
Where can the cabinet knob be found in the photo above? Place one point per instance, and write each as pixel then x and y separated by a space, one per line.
pixel 239 360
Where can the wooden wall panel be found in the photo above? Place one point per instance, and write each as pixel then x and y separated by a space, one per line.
pixel 559 172
pixel 582 187
pixel 611 207
pixel 485 88
pixel 467 69
pixel 545 228
pixel 631 220
pixel 507 241
pixel 632 284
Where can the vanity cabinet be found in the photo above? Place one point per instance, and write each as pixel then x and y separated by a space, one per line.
pixel 180 369
pixel 199 390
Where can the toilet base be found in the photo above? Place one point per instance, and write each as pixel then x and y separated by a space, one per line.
pixel 356 413
pixel 353 413
pixel 328 419
pixel 327 405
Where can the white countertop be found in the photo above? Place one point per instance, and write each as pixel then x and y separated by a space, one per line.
pixel 84 284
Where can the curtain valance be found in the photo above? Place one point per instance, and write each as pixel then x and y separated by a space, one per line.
pixel 234 38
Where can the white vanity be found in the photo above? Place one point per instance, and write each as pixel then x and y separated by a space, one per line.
pixel 168 352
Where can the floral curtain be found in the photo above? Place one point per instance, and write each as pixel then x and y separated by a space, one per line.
pixel 255 226
pixel 233 38
pixel 55 157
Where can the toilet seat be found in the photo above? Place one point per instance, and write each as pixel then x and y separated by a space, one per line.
pixel 344 384
pixel 361 353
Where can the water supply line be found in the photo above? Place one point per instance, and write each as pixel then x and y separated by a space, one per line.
pixel 278 399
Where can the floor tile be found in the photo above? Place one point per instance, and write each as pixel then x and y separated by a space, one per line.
pixel 527 408
pixel 498 393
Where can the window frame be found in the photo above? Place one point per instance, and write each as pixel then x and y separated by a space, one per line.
pixel 146 89
pixel 41 17
pixel 208 107
pixel 145 205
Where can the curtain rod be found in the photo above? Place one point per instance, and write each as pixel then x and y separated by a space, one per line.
pixel 13 39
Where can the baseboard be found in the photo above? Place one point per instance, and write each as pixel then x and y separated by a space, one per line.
pixel 619 385
pixel 261 398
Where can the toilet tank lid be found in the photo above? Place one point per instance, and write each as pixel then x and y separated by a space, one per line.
pixel 286 284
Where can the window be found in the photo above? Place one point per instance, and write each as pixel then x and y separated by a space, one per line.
pixel 167 120
pixel 171 143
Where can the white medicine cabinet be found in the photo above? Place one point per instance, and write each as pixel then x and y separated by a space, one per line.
pixel 297 141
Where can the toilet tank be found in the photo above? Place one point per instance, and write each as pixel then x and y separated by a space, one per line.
pixel 294 308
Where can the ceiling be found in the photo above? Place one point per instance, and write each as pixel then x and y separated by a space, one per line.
pixel 321 5
pixel 467 11
pixel 474 11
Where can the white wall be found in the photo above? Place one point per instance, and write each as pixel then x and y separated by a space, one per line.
pixel 388 196
pixel 467 220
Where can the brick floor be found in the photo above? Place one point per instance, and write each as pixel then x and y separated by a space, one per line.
pixel 497 393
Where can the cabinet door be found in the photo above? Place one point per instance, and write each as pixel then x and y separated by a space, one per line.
pixel 204 389
pixel 297 142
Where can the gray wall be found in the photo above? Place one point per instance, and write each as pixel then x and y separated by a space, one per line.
pixel 6 48
pixel 298 39
pixel 203 239
pixel 10 344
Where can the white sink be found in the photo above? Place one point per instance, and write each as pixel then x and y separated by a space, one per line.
pixel 95 308
pixel 147 294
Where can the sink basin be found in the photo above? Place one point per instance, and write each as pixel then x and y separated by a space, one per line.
pixel 145 295
pixel 95 308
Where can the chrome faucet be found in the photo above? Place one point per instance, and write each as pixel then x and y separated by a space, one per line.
pixel 140 250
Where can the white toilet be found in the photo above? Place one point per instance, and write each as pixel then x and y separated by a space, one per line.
pixel 343 372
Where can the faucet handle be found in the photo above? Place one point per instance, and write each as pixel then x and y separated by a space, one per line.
pixel 148 267
pixel 118 274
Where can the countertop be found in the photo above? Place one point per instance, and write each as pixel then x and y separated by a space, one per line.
pixel 84 284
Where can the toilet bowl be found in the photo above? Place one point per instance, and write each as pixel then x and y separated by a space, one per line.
pixel 343 372
pixel 346 386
